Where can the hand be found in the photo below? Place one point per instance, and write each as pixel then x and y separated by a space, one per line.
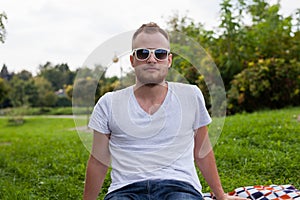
pixel 230 197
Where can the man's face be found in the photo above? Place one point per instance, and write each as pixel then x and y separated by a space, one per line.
pixel 151 70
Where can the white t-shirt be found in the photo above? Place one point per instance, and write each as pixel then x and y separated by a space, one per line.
pixel 157 146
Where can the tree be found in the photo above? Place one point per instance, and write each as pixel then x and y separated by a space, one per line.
pixel 17 92
pixel 226 48
pixel 69 91
pixel 24 75
pixel 31 92
pixel 103 85
pixel 3 90
pixel 23 89
pixel 270 33
pixel 58 75
pixel 26 90
pixel 2 27
pixel 5 74
pixel 83 94
pixel 236 45
pixel 84 91
pixel 46 96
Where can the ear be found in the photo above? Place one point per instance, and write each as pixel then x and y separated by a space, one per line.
pixel 131 60
pixel 170 58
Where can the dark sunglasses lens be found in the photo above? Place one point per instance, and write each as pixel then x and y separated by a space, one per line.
pixel 161 54
pixel 142 54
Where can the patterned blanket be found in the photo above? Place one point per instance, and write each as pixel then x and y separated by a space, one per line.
pixel 271 192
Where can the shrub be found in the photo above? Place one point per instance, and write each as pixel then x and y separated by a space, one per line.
pixel 63 102
pixel 16 121
pixel 267 83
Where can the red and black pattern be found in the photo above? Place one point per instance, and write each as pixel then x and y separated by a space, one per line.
pixel 271 192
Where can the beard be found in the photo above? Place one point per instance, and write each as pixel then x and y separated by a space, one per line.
pixel 146 80
pixel 154 77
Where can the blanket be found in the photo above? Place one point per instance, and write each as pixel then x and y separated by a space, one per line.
pixel 270 192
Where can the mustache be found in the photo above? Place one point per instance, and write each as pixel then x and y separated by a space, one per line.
pixel 152 66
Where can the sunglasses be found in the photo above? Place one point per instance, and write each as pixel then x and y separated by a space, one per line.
pixel 142 54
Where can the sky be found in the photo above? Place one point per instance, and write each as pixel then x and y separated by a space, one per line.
pixel 67 31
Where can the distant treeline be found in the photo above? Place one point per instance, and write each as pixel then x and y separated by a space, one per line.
pixel 255 48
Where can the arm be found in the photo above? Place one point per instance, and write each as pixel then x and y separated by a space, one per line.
pixel 97 166
pixel 205 161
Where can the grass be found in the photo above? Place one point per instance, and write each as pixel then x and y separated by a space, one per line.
pixel 20 111
pixel 260 148
pixel 43 158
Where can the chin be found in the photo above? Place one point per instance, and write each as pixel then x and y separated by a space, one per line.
pixel 151 82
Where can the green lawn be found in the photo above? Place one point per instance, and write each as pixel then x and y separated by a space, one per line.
pixel 45 159
pixel 260 149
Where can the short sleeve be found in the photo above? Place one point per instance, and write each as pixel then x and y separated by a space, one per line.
pixel 99 120
pixel 202 117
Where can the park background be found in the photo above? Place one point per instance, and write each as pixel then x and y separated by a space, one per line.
pixel 256 50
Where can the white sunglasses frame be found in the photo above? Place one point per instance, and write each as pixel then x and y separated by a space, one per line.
pixel 151 51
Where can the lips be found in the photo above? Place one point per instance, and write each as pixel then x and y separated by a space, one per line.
pixel 151 69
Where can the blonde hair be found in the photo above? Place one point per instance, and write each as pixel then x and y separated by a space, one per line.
pixel 150 28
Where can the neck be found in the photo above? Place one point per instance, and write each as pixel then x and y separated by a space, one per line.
pixel 151 96
pixel 151 92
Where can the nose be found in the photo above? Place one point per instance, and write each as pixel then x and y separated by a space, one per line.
pixel 151 58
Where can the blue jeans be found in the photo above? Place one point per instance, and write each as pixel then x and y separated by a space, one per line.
pixel 156 190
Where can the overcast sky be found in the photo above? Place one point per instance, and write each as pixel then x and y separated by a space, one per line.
pixel 67 31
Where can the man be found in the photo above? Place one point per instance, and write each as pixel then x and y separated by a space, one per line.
pixel 152 133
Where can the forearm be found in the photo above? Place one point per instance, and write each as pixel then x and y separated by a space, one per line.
pixel 208 168
pixel 95 176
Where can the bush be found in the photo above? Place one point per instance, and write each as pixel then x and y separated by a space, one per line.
pixel 63 102
pixel 267 83
pixel 16 121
